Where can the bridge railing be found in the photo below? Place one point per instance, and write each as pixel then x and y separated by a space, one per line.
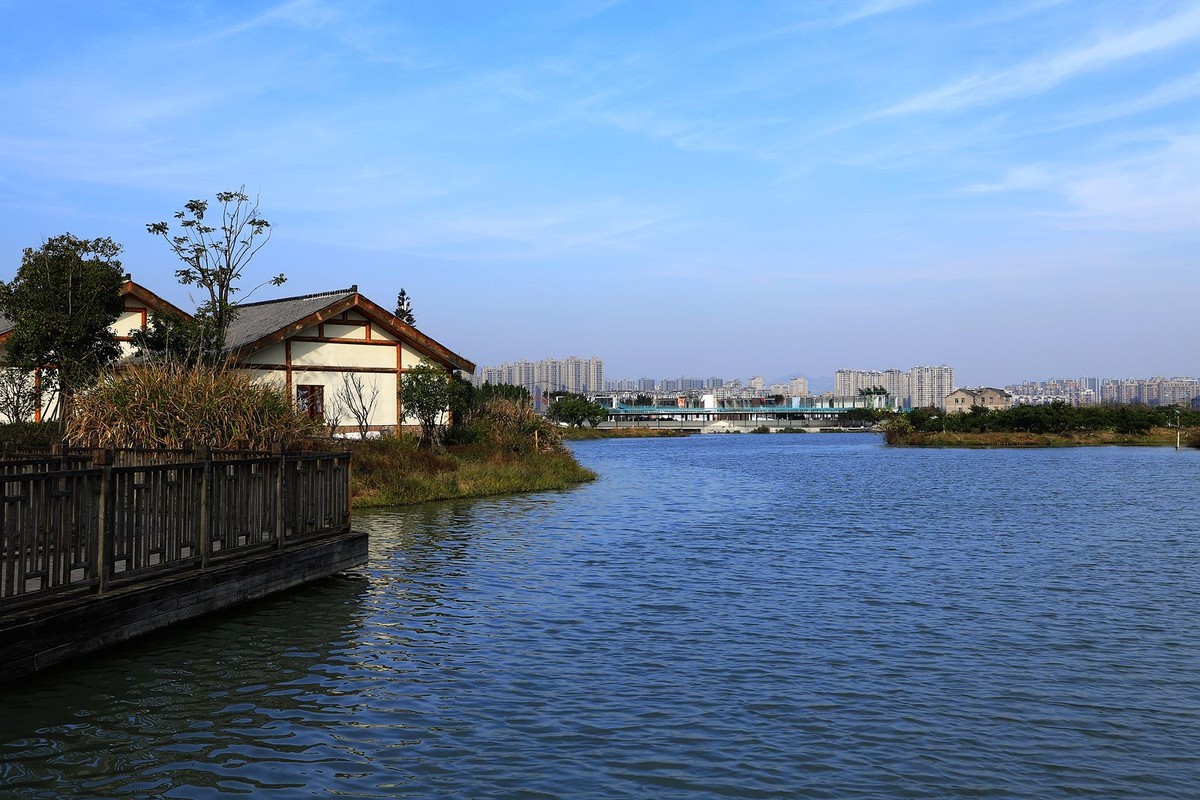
pixel 76 523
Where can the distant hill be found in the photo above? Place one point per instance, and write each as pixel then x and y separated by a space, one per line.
pixel 816 385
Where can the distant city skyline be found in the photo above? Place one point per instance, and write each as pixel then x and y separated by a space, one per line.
pixel 714 188
pixel 917 386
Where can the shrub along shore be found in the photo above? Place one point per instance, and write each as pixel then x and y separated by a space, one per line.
pixel 393 471
pixel 1056 425
pixel 498 446
pixel 1155 437
pixel 581 434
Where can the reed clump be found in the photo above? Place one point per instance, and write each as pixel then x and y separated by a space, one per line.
pixel 394 471
pixel 501 446
pixel 512 425
pixel 176 406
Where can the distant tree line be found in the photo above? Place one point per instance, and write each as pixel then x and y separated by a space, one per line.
pixel 1058 417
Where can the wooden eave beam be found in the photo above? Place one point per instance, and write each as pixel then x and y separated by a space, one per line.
pixel 380 316
pixel 151 300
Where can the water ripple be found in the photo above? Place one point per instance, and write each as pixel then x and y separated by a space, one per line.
pixel 745 617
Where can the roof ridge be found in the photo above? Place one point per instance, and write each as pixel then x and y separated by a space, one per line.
pixel 349 290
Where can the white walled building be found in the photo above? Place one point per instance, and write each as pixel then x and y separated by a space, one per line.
pixel 310 345
pixel 313 343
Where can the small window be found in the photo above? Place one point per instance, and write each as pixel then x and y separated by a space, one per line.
pixel 311 400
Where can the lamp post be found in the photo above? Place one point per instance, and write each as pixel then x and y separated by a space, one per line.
pixel 1177 430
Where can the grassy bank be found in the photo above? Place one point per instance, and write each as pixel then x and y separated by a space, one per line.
pixel 393 472
pixel 579 434
pixel 1156 437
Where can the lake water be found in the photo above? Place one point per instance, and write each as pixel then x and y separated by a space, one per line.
pixel 737 616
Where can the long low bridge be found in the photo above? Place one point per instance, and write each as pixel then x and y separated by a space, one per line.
pixel 826 411
pixel 99 546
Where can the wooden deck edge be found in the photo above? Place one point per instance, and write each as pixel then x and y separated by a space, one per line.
pixel 33 639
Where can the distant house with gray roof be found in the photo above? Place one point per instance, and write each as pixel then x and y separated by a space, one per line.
pixel 961 401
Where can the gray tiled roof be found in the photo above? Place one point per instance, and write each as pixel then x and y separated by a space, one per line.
pixel 5 324
pixel 256 320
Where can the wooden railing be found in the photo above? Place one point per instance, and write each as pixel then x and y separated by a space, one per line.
pixel 88 521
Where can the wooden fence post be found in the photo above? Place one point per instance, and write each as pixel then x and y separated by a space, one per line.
pixel 204 456
pixel 106 520
pixel 280 478
pixel 347 479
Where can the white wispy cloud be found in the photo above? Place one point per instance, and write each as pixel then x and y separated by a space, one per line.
pixel 1041 74
pixel 816 23
pixel 307 14
pixel 874 8
pixel 507 234
pixel 1180 90
pixel 1155 191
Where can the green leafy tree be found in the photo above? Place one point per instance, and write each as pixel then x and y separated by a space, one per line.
pixel 425 393
pixel 62 302
pixel 503 391
pixel 18 395
pixel 860 415
pixel 898 429
pixel 215 255
pixel 170 338
pixel 575 409
pixel 463 403
pixel 404 308
pixel 927 420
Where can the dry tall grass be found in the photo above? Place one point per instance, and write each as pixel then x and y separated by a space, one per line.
pixel 170 405
pixel 393 471
pixel 513 425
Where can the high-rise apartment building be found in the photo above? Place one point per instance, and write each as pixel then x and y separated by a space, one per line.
pixel 796 387
pixel 928 386
pixel 1089 391
pixel 895 383
pixel 917 388
pixel 848 382
pixel 573 374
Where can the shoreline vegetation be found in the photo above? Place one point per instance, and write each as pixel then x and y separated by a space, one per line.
pixel 498 445
pixel 1055 425
pixel 584 434
pixel 394 471
pixel 1155 437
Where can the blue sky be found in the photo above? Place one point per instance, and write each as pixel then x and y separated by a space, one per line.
pixel 702 188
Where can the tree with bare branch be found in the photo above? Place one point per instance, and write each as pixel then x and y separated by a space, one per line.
pixel 358 400
pixel 18 394
pixel 215 255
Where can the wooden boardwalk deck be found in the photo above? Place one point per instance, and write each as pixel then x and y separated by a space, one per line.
pixel 101 546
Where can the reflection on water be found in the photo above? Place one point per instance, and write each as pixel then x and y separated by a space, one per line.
pixel 738 616
pixel 195 705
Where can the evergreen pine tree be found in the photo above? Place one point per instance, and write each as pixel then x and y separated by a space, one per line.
pixel 404 308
